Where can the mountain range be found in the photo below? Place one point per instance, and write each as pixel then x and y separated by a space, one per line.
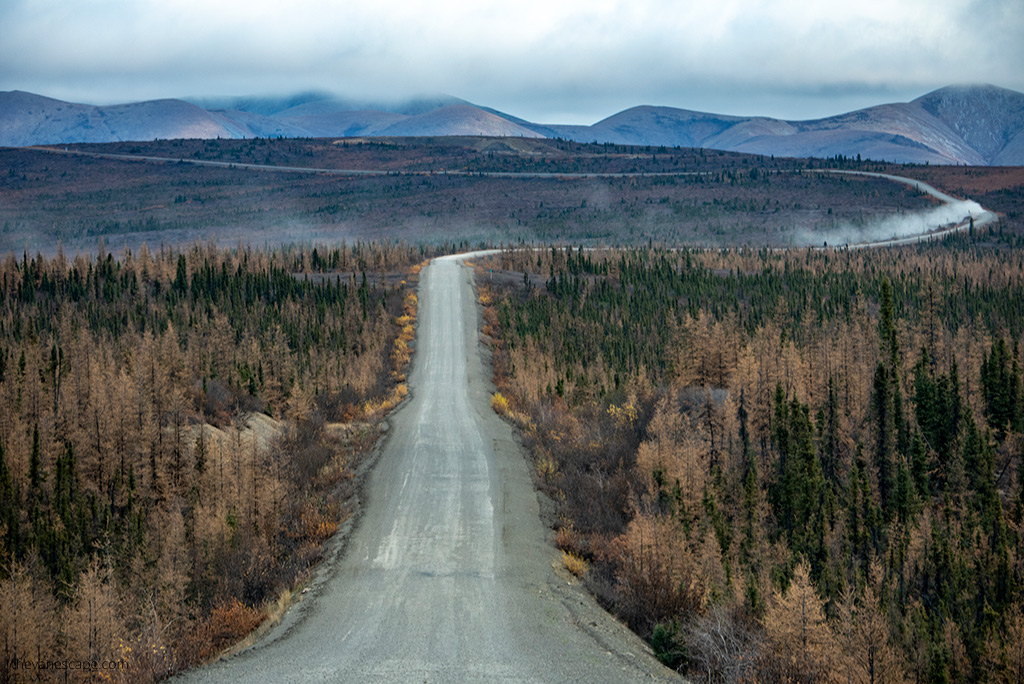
pixel 974 125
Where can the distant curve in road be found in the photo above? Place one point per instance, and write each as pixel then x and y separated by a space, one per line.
pixel 447 576
pixel 983 218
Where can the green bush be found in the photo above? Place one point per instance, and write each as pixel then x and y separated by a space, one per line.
pixel 668 645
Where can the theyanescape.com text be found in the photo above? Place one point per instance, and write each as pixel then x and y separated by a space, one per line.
pixel 69 664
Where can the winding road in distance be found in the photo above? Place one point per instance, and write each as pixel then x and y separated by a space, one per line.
pixel 447 577
pixel 984 216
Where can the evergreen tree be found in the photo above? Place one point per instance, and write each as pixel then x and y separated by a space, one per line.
pixel 800 489
pixel 9 515
pixel 883 410
pixel 36 474
pixel 1001 389
pixel 180 284
pixel 828 426
pixel 887 328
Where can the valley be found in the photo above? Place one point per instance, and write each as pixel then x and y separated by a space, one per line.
pixel 465 191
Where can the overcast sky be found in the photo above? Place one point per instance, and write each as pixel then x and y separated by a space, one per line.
pixel 550 61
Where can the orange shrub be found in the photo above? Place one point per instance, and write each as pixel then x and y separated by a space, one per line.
pixel 228 622
pixel 567 538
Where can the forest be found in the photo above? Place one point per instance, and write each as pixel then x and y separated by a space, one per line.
pixel 180 432
pixel 800 465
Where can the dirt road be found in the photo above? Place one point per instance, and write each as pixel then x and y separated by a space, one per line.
pixel 448 576
pixel 968 214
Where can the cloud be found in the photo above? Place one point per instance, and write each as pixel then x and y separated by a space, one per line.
pixel 534 58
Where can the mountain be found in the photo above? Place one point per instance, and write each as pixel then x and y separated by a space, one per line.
pixel 27 119
pixel 954 125
pixel 975 125
pixel 989 119
pixel 332 117
pixel 265 106
pixel 459 120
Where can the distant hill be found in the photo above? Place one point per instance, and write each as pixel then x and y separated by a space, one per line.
pixel 955 125
pixel 978 125
pixel 459 120
pixel 989 119
pixel 27 119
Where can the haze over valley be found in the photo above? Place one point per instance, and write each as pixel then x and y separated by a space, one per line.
pixel 471 190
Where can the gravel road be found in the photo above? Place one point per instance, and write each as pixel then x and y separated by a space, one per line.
pixel 448 576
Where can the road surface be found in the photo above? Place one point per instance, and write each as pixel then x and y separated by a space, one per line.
pixel 448 576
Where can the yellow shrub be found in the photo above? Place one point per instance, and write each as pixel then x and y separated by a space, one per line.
pixel 371 407
pixel 547 469
pixel 575 564
pixel 415 270
pixel 400 353
pixel 499 403
pixel 625 415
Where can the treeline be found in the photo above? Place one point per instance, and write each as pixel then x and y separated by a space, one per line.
pixel 781 466
pixel 179 431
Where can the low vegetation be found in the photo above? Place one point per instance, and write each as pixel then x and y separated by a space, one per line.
pixel 179 434
pixel 433 193
pixel 781 466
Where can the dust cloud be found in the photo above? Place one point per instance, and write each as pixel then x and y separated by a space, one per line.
pixel 892 227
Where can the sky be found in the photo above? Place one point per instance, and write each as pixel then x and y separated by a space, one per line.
pixel 548 61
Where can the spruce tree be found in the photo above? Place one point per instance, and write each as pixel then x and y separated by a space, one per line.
pixel 36 474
